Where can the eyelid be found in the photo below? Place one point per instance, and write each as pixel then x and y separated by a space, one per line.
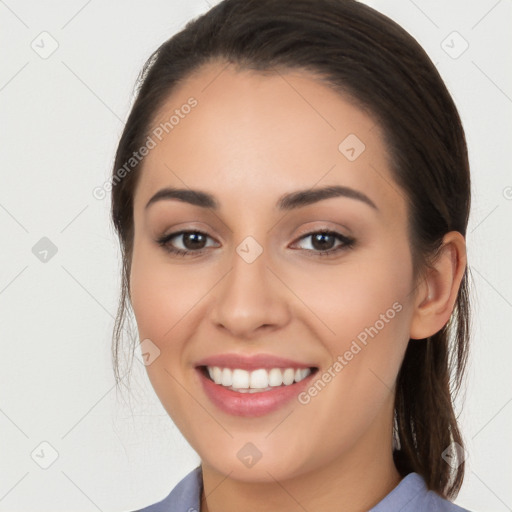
pixel 339 228
pixel 176 234
pixel 325 226
pixel 346 242
pixel 303 232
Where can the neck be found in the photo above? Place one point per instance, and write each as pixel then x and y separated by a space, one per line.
pixel 358 481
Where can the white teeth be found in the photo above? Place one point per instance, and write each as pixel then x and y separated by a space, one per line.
pixel 288 376
pixel 227 377
pixel 275 377
pixel 217 374
pixel 240 378
pixel 257 380
pixel 301 373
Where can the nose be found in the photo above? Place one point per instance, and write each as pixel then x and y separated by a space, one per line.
pixel 250 299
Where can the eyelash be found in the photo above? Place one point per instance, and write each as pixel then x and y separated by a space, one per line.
pixel 348 243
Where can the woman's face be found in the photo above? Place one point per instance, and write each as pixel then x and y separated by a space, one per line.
pixel 256 284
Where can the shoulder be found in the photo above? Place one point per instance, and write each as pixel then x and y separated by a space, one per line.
pixel 412 495
pixel 185 497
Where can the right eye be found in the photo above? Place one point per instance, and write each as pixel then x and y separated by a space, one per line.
pixel 188 237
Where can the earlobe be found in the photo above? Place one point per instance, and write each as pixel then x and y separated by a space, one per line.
pixel 438 292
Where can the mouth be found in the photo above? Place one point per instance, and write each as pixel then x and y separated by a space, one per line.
pixel 252 385
pixel 260 380
pixel 251 393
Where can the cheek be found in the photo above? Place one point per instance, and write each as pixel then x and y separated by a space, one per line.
pixel 161 298
pixel 367 310
pixel 366 288
pixel 161 295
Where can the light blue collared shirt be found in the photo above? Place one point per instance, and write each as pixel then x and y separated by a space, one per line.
pixel 410 495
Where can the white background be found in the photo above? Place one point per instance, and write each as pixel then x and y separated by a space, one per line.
pixel 61 120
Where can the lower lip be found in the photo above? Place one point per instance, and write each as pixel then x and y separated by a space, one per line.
pixel 251 404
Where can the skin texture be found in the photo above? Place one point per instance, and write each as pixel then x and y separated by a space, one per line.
pixel 251 138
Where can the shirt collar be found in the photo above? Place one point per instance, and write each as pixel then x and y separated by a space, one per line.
pixel 411 494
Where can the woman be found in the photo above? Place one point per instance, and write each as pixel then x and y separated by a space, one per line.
pixel 291 192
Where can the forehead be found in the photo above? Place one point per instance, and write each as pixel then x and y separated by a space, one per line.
pixel 253 136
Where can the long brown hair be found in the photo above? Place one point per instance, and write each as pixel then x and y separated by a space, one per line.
pixel 369 58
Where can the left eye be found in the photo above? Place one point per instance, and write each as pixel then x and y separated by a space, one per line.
pixel 322 241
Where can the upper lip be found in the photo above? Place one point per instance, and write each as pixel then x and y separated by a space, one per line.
pixel 253 362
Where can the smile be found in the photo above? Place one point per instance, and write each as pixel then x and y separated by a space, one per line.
pixel 260 380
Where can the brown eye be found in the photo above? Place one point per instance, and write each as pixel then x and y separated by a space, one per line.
pixel 322 242
pixel 192 242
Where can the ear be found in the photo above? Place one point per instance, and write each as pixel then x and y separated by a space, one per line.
pixel 436 295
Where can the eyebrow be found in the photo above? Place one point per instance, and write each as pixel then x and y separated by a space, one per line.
pixel 289 201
